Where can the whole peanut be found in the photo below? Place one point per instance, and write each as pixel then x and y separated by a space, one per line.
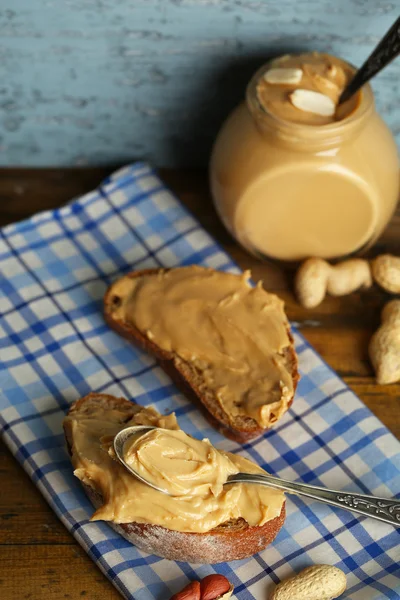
pixel 319 582
pixel 386 272
pixel 316 277
pixel 384 347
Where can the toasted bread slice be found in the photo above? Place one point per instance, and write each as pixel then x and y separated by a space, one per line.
pixel 188 378
pixel 232 540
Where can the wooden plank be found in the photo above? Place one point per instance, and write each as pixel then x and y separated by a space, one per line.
pixel 26 191
pixel 25 517
pixel 49 571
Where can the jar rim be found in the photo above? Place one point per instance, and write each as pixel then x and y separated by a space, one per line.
pixel 309 131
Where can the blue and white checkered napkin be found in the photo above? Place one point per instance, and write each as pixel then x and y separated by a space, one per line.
pixel 55 348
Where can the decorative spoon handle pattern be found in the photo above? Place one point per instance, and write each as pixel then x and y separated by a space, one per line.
pixel 384 509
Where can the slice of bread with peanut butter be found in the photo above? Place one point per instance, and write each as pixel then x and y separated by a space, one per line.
pixel 208 523
pixel 226 344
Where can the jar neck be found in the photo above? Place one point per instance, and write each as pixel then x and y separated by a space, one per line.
pixel 305 137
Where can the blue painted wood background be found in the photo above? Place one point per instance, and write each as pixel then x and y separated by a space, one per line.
pixel 107 81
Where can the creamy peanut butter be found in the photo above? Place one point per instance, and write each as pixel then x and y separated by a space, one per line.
pixel 200 472
pixel 236 335
pixel 320 73
pixel 291 183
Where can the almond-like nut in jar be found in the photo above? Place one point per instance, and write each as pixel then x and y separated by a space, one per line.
pixel 314 102
pixel 283 76
pixel 215 587
pixel 190 592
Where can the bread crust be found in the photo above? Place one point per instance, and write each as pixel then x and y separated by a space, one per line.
pixel 233 540
pixel 187 378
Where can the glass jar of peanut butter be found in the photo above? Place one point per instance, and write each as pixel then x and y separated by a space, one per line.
pixel 294 174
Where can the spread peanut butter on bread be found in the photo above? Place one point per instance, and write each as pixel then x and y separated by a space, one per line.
pixel 192 469
pixel 229 341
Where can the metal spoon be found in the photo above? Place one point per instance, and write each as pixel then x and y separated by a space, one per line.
pixel 387 49
pixel 119 447
pixel 383 509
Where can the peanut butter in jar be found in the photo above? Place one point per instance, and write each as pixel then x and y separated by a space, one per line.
pixel 295 175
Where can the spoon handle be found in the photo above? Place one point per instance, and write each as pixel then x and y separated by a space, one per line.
pixel 387 49
pixel 370 506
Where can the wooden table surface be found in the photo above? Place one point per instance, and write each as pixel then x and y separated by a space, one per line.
pixel 38 557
